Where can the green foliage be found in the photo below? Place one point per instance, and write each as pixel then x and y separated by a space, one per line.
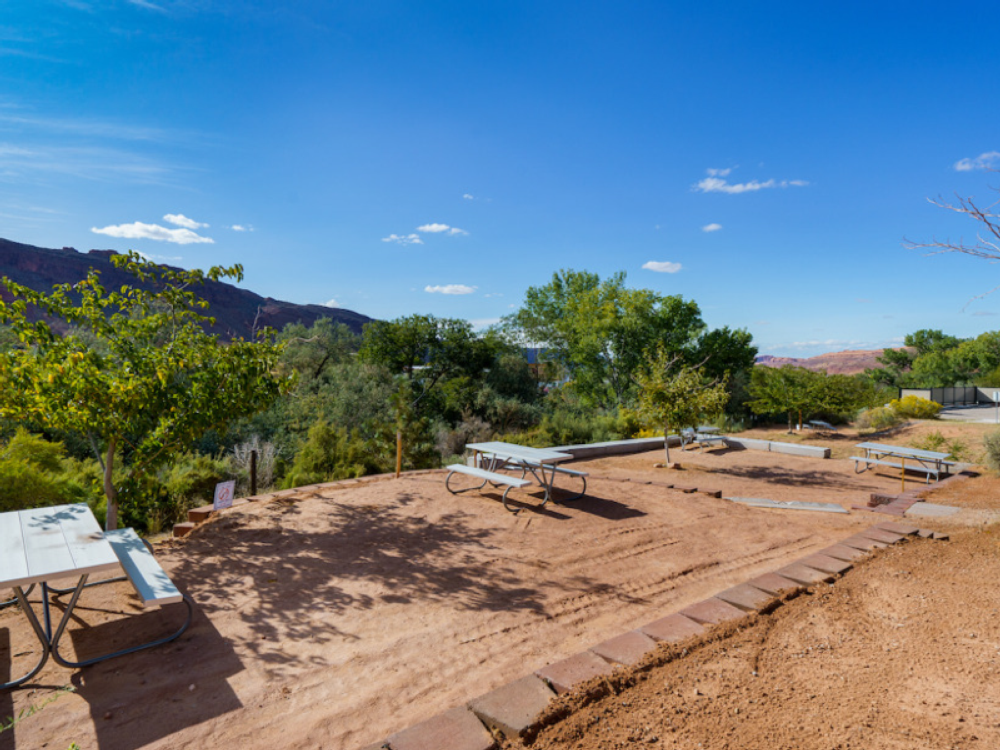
pixel 914 407
pixel 137 372
pixel 935 360
pixel 600 331
pixel 877 419
pixel 35 472
pixel 330 453
pixel 796 391
pixel 676 396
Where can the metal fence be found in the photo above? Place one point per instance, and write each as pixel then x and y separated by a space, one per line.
pixel 954 395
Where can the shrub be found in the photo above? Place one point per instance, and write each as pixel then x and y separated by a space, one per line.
pixel 330 453
pixel 877 419
pixel 914 407
pixel 991 444
pixel 35 472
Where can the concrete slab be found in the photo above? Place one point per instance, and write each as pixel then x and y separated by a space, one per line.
pixel 673 628
pixel 746 597
pixel 761 502
pixel 827 564
pixel 628 648
pixel 939 536
pixel 513 708
pixel 775 584
pixel 932 510
pixel 563 676
pixel 843 552
pixel 457 729
pixel 804 574
pixel 925 533
pixel 713 611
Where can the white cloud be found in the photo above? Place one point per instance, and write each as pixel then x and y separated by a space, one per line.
pixel 404 239
pixel 468 196
pixel 714 184
pixel 988 160
pixel 439 229
pixel 139 231
pixel 183 221
pixel 331 303
pixel 451 289
pixel 711 227
pixel 662 266
pixel 494 294
pixel 147 5
pixel 242 228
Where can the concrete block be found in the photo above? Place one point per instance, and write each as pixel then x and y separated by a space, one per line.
pixel 627 649
pixel 794 449
pixel 673 628
pixel 457 729
pixel 843 552
pixel 932 510
pixel 197 515
pixel 713 611
pixel 746 597
pixel 775 584
pixel 183 529
pixel 939 536
pixel 749 443
pixel 923 533
pixel 898 528
pixel 879 535
pixel 804 574
pixel 827 564
pixel 863 543
pixel 514 707
pixel 564 675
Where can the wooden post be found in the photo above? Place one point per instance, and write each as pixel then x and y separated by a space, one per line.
pixel 253 473
pixel 399 452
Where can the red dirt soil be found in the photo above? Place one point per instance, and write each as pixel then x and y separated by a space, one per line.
pixel 334 618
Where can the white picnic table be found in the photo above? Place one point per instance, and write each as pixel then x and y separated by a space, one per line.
pixel 490 458
pixel 930 463
pixel 44 545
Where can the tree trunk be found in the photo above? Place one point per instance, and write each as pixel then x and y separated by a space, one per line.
pixel 666 442
pixel 111 522
pixel 791 427
pixel 800 420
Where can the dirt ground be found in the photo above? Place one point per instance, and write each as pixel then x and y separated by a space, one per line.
pixel 334 618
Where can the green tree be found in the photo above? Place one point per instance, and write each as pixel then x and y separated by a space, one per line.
pixel 674 395
pixel 600 332
pixel 137 375
pixel 784 390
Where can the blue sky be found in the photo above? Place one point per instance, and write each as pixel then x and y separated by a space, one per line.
pixel 766 160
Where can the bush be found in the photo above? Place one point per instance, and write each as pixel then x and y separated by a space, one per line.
pixel 877 419
pixel 914 407
pixel 35 472
pixel 991 444
pixel 330 453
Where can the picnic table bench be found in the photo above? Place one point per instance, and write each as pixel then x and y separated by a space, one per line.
pixel 928 463
pixel 820 426
pixel 493 457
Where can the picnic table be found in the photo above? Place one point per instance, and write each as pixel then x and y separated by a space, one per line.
pixel 703 435
pixel 490 458
pixel 929 463
pixel 42 545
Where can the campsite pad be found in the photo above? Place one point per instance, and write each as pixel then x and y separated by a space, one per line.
pixel 760 502
pixel 336 618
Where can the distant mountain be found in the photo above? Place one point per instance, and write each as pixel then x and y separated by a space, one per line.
pixel 235 310
pixel 840 363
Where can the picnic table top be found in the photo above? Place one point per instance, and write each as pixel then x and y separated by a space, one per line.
pixel 44 544
pixel 523 452
pixel 903 452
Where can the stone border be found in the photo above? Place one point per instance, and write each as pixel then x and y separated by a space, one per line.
pixel 514 709
pixel 638 445
pixel 897 505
